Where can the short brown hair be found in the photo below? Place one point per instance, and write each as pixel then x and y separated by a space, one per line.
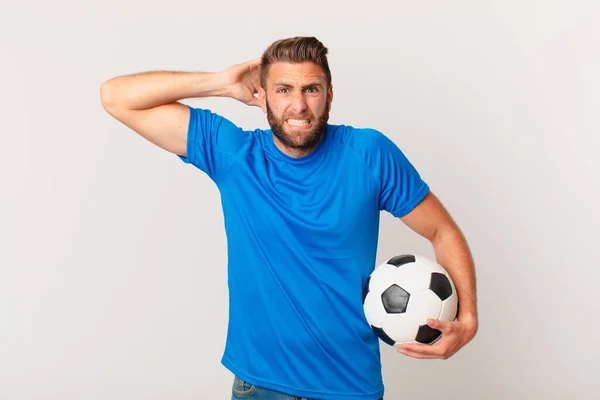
pixel 296 50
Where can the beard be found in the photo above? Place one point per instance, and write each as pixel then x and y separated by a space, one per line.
pixel 299 139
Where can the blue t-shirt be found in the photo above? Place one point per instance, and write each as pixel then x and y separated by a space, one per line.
pixel 302 238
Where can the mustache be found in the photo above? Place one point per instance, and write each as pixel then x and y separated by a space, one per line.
pixel 299 117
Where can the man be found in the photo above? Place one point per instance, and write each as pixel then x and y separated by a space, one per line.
pixel 301 204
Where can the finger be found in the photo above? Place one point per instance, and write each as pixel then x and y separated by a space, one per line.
pixel 436 350
pixel 421 349
pixel 443 326
pixel 255 62
pixel 416 354
pixel 421 354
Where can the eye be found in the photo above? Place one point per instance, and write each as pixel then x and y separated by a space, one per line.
pixel 281 90
pixel 311 90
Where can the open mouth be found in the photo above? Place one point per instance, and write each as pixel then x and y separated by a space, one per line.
pixel 299 123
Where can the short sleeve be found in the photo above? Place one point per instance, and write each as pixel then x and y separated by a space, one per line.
pixel 402 187
pixel 211 142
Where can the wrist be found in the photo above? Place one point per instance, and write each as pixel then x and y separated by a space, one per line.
pixel 224 84
pixel 212 84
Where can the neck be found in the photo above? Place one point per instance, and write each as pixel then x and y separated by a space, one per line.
pixel 294 152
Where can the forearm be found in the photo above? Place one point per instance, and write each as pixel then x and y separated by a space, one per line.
pixel 150 89
pixel 453 254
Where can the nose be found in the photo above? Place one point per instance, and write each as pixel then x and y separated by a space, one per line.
pixel 299 103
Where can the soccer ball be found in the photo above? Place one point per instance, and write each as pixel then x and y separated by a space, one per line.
pixel 402 293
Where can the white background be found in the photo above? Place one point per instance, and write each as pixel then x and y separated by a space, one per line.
pixel 112 251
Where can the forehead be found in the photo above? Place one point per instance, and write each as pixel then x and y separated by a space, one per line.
pixel 295 73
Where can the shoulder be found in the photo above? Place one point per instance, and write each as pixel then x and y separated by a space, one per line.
pixel 223 134
pixel 364 141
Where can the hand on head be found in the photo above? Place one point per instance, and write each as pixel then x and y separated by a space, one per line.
pixel 244 81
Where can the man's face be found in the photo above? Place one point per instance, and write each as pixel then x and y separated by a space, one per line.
pixel 297 102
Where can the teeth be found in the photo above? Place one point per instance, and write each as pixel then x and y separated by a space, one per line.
pixel 298 122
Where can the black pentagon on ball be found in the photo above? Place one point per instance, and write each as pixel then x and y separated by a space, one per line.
pixel 365 290
pixel 395 299
pixel 427 334
pixel 401 260
pixel 440 285
pixel 382 335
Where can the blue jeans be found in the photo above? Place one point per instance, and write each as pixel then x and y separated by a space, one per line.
pixel 243 390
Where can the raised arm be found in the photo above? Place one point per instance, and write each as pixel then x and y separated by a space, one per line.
pixel 148 102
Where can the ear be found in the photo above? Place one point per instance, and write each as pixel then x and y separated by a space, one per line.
pixel 329 97
pixel 262 96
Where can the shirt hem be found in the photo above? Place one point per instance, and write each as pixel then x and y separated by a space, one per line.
pixel 403 211
pixel 293 391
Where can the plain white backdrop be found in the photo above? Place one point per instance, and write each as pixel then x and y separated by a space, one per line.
pixel 112 251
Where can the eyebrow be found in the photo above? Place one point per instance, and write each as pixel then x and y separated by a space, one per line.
pixel 308 85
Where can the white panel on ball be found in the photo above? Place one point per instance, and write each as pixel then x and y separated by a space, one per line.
pixel 449 309
pixel 424 304
pixel 401 328
pixel 411 277
pixel 376 313
pixel 380 281
pixel 430 264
